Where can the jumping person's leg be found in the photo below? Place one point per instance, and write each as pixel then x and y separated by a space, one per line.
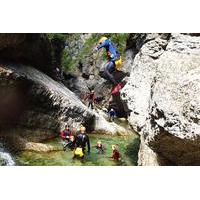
pixel 90 104
pixel 109 69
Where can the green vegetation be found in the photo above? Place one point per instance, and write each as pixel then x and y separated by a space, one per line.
pixel 57 41
pixel 68 62
pixel 58 36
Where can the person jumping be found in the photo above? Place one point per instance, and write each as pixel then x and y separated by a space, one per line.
pixel 114 59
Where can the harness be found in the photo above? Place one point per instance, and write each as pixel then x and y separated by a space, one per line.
pixel 67 133
pixel 118 63
pixel 81 139
pixel 91 96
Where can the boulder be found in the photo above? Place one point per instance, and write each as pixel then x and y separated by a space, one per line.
pixel 163 94
pixel 40 147
pixel 32 100
pixel 104 127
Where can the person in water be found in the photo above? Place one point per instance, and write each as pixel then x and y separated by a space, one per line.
pixel 70 144
pixel 114 59
pixel 66 133
pixel 91 99
pixel 99 147
pixel 81 140
pixel 115 153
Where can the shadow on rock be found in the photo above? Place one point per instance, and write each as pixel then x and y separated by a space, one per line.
pixel 132 150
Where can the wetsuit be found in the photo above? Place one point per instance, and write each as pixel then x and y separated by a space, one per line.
pixel 112 114
pixel 82 140
pixel 70 145
pixel 66 134
pixel 112 56
pixel 115 155
pixel 91 98
pixel 99 148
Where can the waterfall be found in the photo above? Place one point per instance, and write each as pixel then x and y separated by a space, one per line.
pixel 6 158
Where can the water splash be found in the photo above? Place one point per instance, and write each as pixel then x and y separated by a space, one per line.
pixel 6 158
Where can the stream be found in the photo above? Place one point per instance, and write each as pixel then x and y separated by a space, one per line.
pixel 127 145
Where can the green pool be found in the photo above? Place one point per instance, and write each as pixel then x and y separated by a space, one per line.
pixel 127 145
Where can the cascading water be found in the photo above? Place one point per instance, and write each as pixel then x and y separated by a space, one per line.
pixel 5 157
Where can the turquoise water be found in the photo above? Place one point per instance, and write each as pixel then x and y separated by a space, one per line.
pixel 127 145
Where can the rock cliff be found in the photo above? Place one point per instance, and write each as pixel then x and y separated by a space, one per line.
pixel 163 94
pixel 37 50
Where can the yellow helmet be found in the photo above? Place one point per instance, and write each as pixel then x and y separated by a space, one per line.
pixel 82 129
pixel 99 142
pixel 102 40
pixel 113 146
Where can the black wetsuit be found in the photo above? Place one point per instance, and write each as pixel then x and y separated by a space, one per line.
pixel 67 133
pixel 91 98
pixel 70 145
pixel 82 140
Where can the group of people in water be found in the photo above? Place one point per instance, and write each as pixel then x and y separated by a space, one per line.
pixel 79 141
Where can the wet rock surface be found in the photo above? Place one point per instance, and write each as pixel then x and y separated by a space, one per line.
pixel 43 104
pixel 163 92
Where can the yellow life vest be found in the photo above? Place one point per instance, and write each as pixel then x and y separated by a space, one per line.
pixel 79 152
pixel 118 64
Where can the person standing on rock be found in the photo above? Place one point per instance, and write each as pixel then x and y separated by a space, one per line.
pixel 91 99
pixel 114 59
pixel 112 115
pixel 81 141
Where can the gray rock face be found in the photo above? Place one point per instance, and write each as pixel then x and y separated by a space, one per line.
pixel 33 100
pixel 163 92
pixel 32 49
